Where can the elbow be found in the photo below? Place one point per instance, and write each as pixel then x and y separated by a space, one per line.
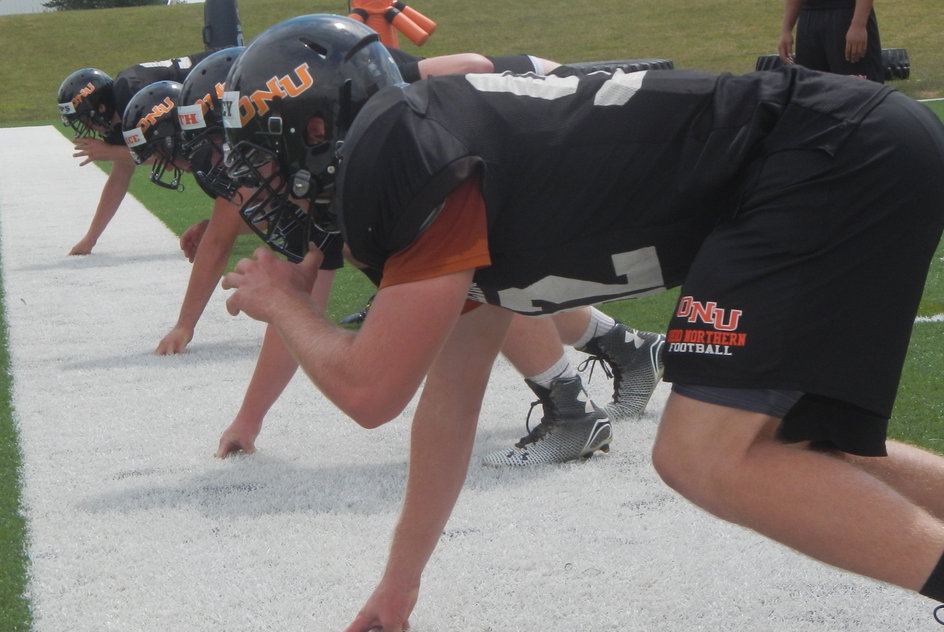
pixel 371 410
pixel 368 422
pixel 367 418
pixel 479 64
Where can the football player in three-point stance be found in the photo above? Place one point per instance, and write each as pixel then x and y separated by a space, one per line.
pixel 766 197
pixel 567 430
pixel 92 104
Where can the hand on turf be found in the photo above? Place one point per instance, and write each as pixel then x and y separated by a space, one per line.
pixel 191 238
pixel 266 284
pixel 388 609
pixel 175 342
pixel 84 247
pixel 237 438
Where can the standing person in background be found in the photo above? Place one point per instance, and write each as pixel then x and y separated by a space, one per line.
pixel 839 36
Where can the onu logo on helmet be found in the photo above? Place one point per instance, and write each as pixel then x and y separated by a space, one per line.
pixel 159 110
pixel 239 110
pixel 70 107
pixel 84 92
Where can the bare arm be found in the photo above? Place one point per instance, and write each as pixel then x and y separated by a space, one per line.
pixel 464 63
pixel 441 443
pixel 209 263
pixel 857 38
pixel 370 374
pixel 112 194
pixel 460 63
pixel 275 367
pixel 791 10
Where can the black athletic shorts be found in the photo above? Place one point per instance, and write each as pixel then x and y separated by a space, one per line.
pixel 821 44
pixel 814 283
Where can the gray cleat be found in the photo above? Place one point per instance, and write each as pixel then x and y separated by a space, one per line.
pixel 573 427
pixel 634 360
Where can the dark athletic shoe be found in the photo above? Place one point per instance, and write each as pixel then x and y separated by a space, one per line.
pixel 634 360
pixel 572 428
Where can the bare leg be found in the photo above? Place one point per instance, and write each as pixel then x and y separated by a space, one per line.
pixel 915 473
pixel 728 462
pixel 532 344
pixel 572 324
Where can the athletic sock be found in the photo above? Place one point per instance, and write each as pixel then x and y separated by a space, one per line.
pixel 560 369
pixel 599 325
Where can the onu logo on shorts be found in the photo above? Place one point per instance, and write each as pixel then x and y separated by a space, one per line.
pixel 708 313
pixel 240 109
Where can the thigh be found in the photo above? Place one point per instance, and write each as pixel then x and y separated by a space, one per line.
pixel 702 435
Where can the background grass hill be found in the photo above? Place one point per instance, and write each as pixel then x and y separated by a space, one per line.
pixel 714 35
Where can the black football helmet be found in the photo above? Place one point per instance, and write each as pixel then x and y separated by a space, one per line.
pixel 199 115
pixel 80 98
pixel 290 99
pixel 149 126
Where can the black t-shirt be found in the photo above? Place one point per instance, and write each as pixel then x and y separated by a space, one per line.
pixel 614 170
pixel 131 80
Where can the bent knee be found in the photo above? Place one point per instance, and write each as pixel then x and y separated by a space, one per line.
pixel 675 464
pixel 702 471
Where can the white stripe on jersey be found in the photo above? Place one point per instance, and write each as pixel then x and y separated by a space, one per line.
pixel 550 87
pixel 640 271
pixel 182 62
pixel 620 88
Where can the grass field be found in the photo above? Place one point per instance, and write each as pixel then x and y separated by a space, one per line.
pixel 716 35
pixel 719 35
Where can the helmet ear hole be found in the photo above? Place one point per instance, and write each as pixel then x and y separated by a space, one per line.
pixel 315 47
pixel 315 130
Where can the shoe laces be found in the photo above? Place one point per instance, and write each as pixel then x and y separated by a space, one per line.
pixel 592 361
pixel 609 369
pixel 939 614
pixel 538 432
